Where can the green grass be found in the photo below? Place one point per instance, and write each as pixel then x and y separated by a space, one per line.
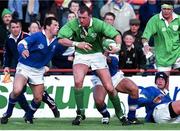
pixel 88 124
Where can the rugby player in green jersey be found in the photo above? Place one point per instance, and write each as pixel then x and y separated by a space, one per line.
pixel 165 29
pixel 86 34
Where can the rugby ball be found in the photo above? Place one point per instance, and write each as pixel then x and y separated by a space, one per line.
pixel 107 43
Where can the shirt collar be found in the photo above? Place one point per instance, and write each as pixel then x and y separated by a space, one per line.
pixel 90 24
pixel 48 42
pixel 174 15
pixel 15 38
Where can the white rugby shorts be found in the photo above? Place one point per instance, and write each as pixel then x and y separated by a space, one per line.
pixel 161 114
pixel 95 61
pixel 115 79
pixel 33 75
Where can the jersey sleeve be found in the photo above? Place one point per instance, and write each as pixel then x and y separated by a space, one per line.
pixel 151 28
pixel 109 31
pixel 65 32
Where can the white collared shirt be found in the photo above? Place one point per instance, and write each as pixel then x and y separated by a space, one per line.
pixel 174 16
pixel 15 38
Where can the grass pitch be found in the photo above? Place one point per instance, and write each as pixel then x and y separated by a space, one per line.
pixel 88 124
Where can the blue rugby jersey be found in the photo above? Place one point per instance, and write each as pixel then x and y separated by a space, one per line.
pixel 147 98
pixel 40 53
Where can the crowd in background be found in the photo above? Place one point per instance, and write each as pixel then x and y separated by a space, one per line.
pixel 129 18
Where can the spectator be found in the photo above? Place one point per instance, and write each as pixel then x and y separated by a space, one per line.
pixel 123 12
pixel 147 10
pixel 44 8
pixel 94 6
pixel 58 10
pixel 130 56
pixel 11 54
pixel 3 5
pixel 134 30
pixel 109 18
pixel 16 7
pixel 4 31
pixel 73 6
pixel 32 11
pixel 34 27
pixel 71 15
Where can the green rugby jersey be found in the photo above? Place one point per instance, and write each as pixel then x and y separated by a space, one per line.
pixel 94 35
pixel 166 39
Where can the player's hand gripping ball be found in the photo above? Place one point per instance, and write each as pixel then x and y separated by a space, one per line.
pixel 108 44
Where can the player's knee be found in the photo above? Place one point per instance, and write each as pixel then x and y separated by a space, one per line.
pixel 111 91
pixel 78 83
pixel 134 92
pixel 38 98
pixel 16 92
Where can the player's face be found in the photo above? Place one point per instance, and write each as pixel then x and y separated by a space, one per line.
pixel 167 12
pixel 161 83
pixel 7 18
pixel 84 19
pixel 109 19
pixel 54 27
pixel 15 29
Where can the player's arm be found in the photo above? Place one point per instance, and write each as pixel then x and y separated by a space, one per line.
pixel 110 32
pixel 65 36
pixel 149 31
pixel 22 48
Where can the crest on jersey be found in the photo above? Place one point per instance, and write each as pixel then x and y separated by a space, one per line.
pixel 175 27
pixel 40 46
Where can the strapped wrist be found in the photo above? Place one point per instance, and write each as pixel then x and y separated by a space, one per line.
pixel 75 44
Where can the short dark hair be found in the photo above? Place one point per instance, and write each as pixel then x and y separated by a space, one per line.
pixel 169 2
pixel 16 21
pixel 73 1
pixel 110 14
pixel 36 22
pixel 84 9
pixel 48 21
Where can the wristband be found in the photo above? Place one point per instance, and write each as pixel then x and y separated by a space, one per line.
pixel 75 44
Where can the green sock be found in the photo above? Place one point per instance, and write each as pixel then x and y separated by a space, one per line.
pixel 79 98
pixel 117 106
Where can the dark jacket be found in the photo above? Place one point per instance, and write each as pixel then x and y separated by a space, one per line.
pixel 146 11
pixel 133 59
pixel 11 54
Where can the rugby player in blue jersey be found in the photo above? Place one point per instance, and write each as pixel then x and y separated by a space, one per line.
pixel 35 52
pixel 11 51
pixel 121 84
pixel 157 102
